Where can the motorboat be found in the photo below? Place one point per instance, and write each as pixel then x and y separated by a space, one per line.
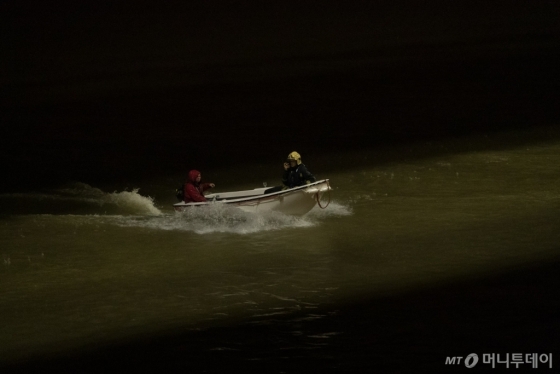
pixel 293 201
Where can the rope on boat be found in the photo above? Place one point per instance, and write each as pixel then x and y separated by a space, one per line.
pixel 319 199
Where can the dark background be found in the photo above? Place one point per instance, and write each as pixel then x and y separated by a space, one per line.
pixel 95 92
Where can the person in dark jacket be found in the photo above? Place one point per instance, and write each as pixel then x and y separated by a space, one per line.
pixel 194 190
pixel 295 173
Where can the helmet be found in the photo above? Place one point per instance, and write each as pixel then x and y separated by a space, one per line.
pixel 294 156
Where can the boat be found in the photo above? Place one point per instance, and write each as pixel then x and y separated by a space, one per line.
pixel 292 201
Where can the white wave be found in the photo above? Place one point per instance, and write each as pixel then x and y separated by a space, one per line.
pixel 131 209
pixel 226 219
pixel 80 196
pixel 133 201
pixel 216 218
pixel 332 209
pixel 129 201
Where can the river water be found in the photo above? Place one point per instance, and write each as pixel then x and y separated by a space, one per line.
pixel 108 276
pixel 437 125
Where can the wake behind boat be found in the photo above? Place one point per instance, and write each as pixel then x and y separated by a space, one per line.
pixel 294 201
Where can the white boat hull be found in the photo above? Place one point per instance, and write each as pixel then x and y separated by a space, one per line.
pixel 294 201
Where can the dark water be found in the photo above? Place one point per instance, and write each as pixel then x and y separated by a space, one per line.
pixel 414 260
pixel 440 138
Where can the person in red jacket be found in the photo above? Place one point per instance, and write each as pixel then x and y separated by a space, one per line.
pixel 194 190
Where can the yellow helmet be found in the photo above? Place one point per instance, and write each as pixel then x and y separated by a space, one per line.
pixel 294 156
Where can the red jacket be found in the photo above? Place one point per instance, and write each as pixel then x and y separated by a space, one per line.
pixel 193 189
